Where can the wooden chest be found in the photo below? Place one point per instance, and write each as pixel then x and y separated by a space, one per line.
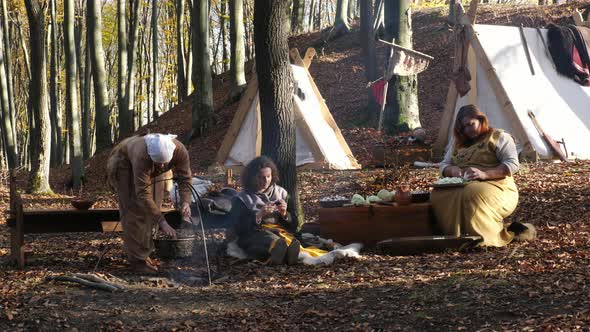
pixel 375 223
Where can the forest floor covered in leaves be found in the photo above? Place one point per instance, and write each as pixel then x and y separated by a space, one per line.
pixel 539 285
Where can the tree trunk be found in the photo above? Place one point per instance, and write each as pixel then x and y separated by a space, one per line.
pixel 132 59
pixel 85 90
pixel 341 18
pixel 223 23
pixel 351 9
pixel 401 113
pixel 275 81
pixel 72 110
pixel 202 117
pixel 181 78
pixel 10 76
pixel 125 117
pixel 369 56
pixel 155 111
pixel 312 10
pixel 236 36
pixel 56 117
pixel 41 135
pixel 452 19
pixel 101 94
pixel 297 16
pixel 8 124
pixel 319 15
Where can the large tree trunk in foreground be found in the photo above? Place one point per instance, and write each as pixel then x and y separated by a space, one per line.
pixel 275 83
pixel 101 94
pixel 401 113
pixel 72 110
pixel 202 118
pixel 41 134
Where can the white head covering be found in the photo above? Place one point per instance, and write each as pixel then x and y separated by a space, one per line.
pixel 160 147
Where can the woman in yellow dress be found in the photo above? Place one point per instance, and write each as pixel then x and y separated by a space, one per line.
pixel 488 158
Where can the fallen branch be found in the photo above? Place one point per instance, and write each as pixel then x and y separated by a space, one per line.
pixel 98 284
pixel 97 279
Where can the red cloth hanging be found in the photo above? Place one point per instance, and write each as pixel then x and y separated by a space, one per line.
pixel 378 90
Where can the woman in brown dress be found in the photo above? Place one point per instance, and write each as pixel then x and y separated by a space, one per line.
pixel 138 169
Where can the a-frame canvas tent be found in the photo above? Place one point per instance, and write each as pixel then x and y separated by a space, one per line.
pixel 505 89
pixel 319 143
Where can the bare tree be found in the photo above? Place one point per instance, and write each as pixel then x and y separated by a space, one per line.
pixel 72 110
pixel 275 81
pixel 236 37
pixel 401 113
pixel 8 124
pixel 202 116
pixel 10 76
pixel 297 16
pixel 125 117
pixel 181 77
pixel 369 54
pixel 155 82
pixel 101 94
pixel 41 132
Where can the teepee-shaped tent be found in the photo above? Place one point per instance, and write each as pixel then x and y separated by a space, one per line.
pixel 319 143
pixel 506 88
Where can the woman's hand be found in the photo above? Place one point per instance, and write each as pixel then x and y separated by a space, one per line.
pixel 282 207
pixel 266 210
pixel 185 210
pixel 454 171
pixel 166 229
pixel 472 173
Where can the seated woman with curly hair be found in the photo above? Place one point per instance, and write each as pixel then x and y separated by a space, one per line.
pixel 488 158
pixel 259 213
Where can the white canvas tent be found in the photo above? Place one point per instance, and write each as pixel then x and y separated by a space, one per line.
pixel 319 143
pixel 505 89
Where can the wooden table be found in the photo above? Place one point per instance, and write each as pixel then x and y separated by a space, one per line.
pixel 375 223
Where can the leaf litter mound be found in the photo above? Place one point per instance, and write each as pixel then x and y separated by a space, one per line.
pixel 541 285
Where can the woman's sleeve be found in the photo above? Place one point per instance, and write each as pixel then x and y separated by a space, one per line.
pixel 242 218
pixel 446 162
pixel 506 153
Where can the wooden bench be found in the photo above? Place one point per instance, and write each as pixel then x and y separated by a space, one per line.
pixel 35 221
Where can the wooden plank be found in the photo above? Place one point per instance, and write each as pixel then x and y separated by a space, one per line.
pixel 258 131
pixel 472 12
pixel 63 221
pixel 375 223
pixel 234 129
pixel 472 65
pixel 326 113
pixel 310 53
pixel 501 94
pixel 446 123
pixel 426 244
